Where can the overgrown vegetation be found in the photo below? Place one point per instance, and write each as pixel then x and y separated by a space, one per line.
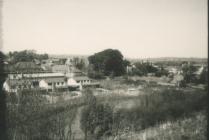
pixel 167 105
pixel 144 68
pixel 154 108
pixel 25 56
pixel 29 117
pixel 96 118
pixel 193 127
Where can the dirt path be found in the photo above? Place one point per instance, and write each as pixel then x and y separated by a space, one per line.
pixel 76 131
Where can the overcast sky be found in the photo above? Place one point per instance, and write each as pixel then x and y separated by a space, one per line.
pixel 138 28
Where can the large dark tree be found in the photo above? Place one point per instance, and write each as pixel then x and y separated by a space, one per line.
pixel 108 62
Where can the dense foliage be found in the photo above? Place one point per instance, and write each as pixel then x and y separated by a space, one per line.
pixel 30 117
pixel 108 62
pixel 79 63
pixel 143 69
pixel 25 56
pixel 167 105
pixel 96 119
pixel 99 120
pixel 189 73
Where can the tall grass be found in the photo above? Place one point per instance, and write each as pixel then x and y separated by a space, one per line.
pixel 159 107
pixel 189 128
pixel 30 118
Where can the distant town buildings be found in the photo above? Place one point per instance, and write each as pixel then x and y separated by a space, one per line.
pixel 60 74
pixel 55 75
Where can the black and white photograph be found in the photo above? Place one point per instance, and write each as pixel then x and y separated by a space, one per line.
pixel 103 69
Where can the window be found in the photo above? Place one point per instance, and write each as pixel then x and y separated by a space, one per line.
pixel 49 84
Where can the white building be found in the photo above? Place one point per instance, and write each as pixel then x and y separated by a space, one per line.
pixel 14 85
pixel 35 75
pixel 17 82
pixel 73 83
pixel 82 81
pixel 52 84
pixel 47 81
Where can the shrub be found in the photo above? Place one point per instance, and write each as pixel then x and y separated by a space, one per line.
pixel 96 119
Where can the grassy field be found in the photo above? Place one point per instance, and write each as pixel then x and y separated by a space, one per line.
pixel 190 128
pixel 151 112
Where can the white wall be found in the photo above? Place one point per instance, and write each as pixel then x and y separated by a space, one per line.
pixel 43 84
pixel 6 87
pixel 72 82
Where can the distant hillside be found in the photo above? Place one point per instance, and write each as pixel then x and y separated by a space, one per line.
pixel 159 59
pixel 166 59
pixel 67 56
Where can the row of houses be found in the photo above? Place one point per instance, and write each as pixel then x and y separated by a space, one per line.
pixel 47 81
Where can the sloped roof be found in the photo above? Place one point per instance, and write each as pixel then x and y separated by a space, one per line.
pixel 60 67
pixel 53 80
pixel 38 75
pixel 23 67
pixel 66 68
pixel 15 82
pixel 75 70
pixel 77 78
pixel 26 65
pixel 44 75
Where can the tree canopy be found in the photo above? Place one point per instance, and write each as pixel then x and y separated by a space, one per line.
pixel 109 62
pixel 79 63
pixel 26 56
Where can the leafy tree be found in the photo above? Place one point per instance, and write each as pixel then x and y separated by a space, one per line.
pixel 79 63
pixel 42 56
pixel 126 63
pixel 26 56
pixel 144 68
pixel 107 62
pixel 189 73
pixel 161 72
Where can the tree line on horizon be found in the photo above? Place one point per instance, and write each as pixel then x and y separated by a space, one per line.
pixel 109 62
